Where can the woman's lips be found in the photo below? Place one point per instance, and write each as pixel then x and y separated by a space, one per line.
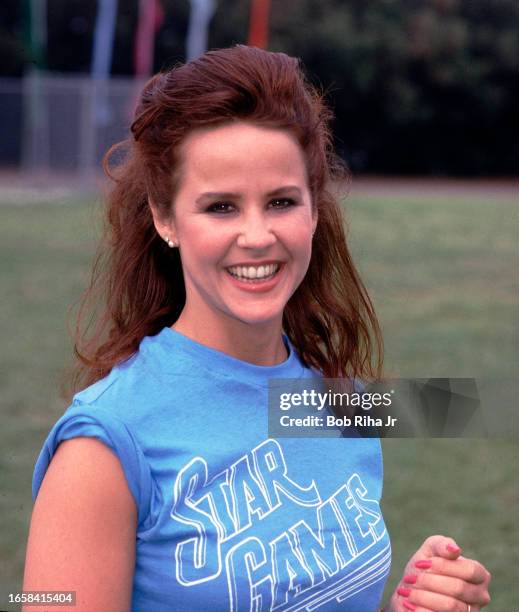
pixel 256 285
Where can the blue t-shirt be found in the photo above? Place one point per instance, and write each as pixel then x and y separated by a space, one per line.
pixel 228 518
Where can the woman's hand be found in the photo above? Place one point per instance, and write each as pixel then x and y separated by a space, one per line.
pixel 438 579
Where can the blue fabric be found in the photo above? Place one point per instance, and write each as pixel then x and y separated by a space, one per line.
pixel 229 519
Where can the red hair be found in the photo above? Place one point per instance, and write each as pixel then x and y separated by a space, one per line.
pixel 138 279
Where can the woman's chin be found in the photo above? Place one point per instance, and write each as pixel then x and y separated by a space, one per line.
pixel 261 319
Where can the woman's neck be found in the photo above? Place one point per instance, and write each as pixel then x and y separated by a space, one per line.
pixel 257 344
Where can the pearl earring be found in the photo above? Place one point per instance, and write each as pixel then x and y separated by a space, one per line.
pixel 171 243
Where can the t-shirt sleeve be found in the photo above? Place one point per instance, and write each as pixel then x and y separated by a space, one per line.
pixel 94 422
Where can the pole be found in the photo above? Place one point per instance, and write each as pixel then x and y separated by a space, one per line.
pixel 259 24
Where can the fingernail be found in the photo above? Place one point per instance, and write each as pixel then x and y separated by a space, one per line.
pixel 423 564
pixel 408 605
pixel 453 549
pixel 410 578
pixel 404 592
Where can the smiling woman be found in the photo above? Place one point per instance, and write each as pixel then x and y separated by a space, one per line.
pixel 246 244
pixel 224 265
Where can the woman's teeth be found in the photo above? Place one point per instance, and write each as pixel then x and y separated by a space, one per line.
pixel 253 273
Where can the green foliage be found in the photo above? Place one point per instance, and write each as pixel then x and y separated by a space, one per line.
pixel 426 86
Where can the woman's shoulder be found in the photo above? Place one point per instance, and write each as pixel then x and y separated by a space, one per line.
pixel 140 372
pixel 93 392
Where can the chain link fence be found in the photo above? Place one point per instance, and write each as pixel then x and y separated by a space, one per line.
pixel 63 123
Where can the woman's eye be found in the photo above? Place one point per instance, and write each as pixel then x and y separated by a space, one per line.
pixel 220 207
pixel 227 207
pixel 283 203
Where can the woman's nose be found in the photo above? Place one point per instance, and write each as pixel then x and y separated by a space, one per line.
pixel 255 233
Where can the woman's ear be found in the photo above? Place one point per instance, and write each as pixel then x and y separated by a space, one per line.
pixel 164 225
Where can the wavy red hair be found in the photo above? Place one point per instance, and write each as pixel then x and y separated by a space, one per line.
pixel 137 280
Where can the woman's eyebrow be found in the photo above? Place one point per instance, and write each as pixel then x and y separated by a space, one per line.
pixel 220 195
pixel 284 189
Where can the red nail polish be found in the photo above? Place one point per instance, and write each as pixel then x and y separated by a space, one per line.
pixel 408 605
pixel 423 564
pixel 410 578
pixel 403 592
pixel 453 549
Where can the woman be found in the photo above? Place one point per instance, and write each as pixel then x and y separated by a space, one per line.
pixel 227 266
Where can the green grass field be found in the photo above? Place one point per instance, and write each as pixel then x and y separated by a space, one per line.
pixel 443 276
